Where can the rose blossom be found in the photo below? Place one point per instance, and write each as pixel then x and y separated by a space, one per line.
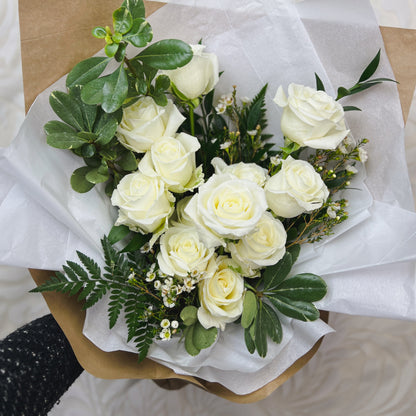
pixel 226 207
pixel 311 118
pixel 264 246
pixel 144 203
pixel 173 159
pixel 145 122
pixel 295 189
pixel 198 77
pixel 221 294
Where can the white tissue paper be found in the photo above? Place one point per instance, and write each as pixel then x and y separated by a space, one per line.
pixel 368 264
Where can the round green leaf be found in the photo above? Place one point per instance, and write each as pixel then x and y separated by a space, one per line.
pixel 189 315
pixel 203 338
pixel 88 150
pixel 111 49
pixel 191 349
pixel 135 7
pixel 166 54
pixel 97 175
pixel 127 161
pixel 122 20
pixel 99 32
pixel 140 34
pixel 78 181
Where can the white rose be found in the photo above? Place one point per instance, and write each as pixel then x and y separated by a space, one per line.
pixel 248 171
pixel 173 159
pixel 145 122
pixel 311 118
pixel 221 294
pixel 295 189
pixel 145 205
pixel 182 252
pixel 226 207
pixel 198 77
pixel 264 246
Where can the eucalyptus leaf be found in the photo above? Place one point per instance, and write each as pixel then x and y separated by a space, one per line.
pixel 166 54
pixel 191 349
pixel 371 68
pixel 203 338
pixel 67 108
pixel 117 233
pixel 78 181
pixel 122 20
pixel 110 91
pixel 64 140
pixel 249 309
pixel 189 315
pixel 87 70
pixel 304 311
pixel 140 34
pixel 274 275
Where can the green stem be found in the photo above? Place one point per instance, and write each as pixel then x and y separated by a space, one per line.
pixel 192 119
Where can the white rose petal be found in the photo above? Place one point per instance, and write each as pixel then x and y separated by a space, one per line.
pixel 144 203
pixel 311 118
pixel 221 295
pixel 226 207
pixel 199 76
pixel 145 122
pixel 182 252
pixel 264 246
pixel 295 189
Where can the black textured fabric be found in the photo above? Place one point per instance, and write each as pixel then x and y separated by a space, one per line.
pixel 37 365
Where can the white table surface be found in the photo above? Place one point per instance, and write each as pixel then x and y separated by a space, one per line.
pixel 368 367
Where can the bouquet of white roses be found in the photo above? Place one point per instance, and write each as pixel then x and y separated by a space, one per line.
pixel 210 216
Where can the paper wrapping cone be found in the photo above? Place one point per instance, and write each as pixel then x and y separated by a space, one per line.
pixel 55 35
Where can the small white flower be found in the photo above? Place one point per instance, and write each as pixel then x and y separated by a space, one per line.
pixel 168 282
pixel 220 108
pixel 245 100
pixel 351 169
pixel 169 303
pixel 225 145
pixel 150 276
pixel 165 289
pixel 145 249
pixel 275 160
pixel 343 149
pixel 130 276
pixel 331 212
pixel 188 284
pixel 165 334
pixel 227 99
pixel 252 133
pixel 174 324
pixel 157 284
pixel 165 323
pixel 362 155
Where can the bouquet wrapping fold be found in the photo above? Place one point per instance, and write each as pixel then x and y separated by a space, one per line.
pixel 368 264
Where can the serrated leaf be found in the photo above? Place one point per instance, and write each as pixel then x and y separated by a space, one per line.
pixel 371 68
pixel 254 110
pixel 140 34
pixel 319 84
pixel 191 349
pixel 274 275
pixel 122 20
pixel 306 287
pixel 304 311
pixel 166 54
pixel 82 274
pixel 249 309
pixel 87 70
pixel 89 264
pixel 189 315
pixel 110 91
pixel 67 109
pixel 117 233
pixel 78 181
pixel 203 338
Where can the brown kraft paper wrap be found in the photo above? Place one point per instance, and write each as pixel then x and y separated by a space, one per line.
pixel 49 53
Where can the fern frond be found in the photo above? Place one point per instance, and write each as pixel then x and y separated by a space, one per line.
pixel 89 264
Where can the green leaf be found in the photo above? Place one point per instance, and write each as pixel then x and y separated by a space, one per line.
pixel 371 68
pixel 136 243
pixel 140 34
pixel 86 71
pixel 127 161
pixel 64 140
pixel 110 91
pixel 117 233
pixel 99 32
pixel 251 346
pixel 89 112
pixel 249 309
pixel 203 338
pixel 166 54
pixel 111 49
pixel 272 324
pixel 97 175
pixel 351 108
pixel 78 181
pixel 189 315
pixel 319 84
pixel 88 150
pixel 160 99
pixel 67 109
pixel 274 275
pixel 306 287
pixel 55 126
pixel 122 20
pixel 260 337
pixel 255 110
pixel 135 7
pixel 162 83
pixel 107 131
pixel 294 252
pixel 342 92
pixel 191 349
pixel 304 311
pixel 121 52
